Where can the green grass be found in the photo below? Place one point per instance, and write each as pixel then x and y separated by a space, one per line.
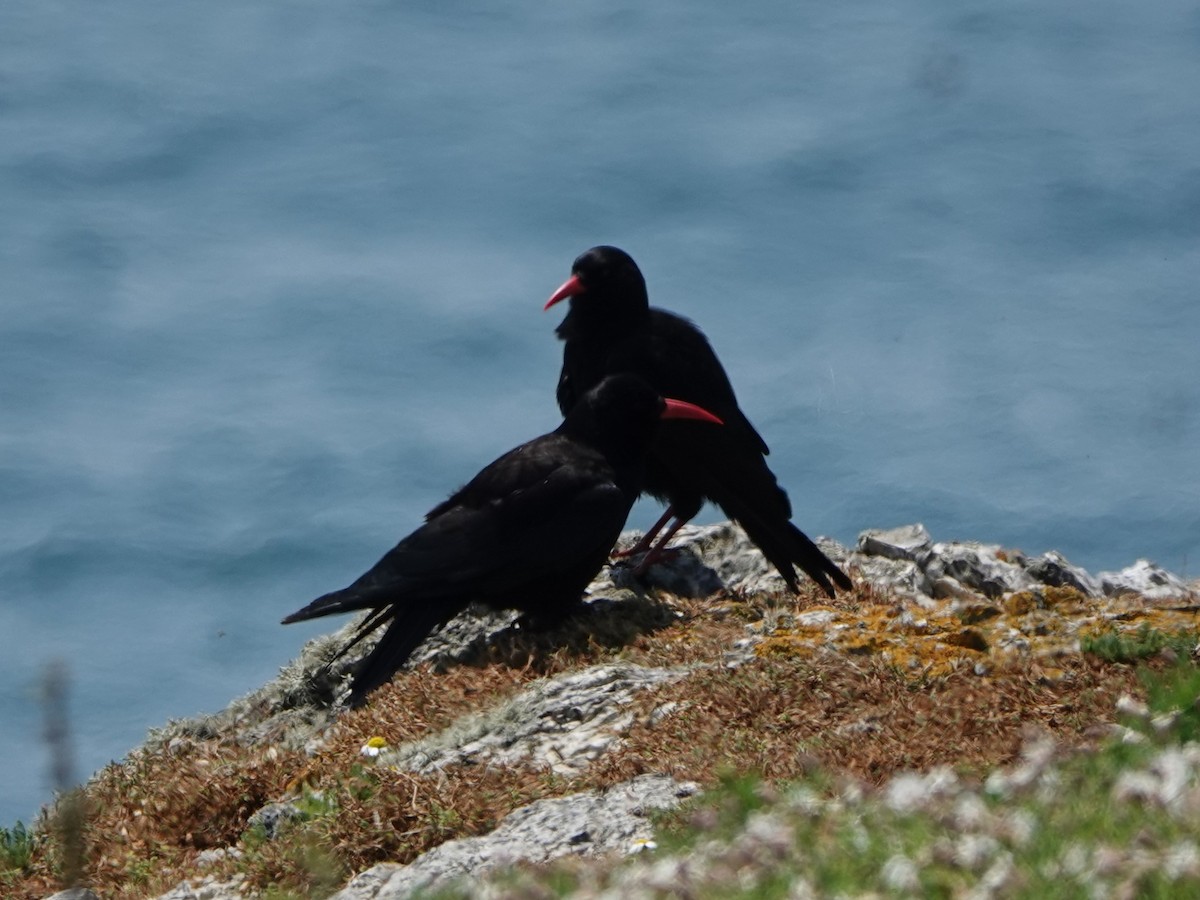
pixel 845 848
pixel 16 848
pixel 16 853
pixel 1117 646
pixel 1177 689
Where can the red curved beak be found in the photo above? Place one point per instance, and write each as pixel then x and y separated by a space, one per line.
pixel 681 409
pixel 569 288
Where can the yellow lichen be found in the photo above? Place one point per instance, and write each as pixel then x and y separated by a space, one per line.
pixel 1043 624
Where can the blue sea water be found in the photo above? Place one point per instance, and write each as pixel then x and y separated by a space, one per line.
pixel 271 279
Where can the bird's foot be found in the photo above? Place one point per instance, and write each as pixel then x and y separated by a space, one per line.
pixel 636 550
pixel 653 558
pixel 646 542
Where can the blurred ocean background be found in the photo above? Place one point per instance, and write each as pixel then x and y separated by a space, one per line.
pixel 271 279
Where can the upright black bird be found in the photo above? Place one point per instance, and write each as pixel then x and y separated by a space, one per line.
pixel 612 328
pixel 529 532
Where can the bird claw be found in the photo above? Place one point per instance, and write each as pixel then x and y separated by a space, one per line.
pixel 629 551
pixel 663 555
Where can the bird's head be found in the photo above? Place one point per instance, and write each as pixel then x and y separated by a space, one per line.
pixel 605 279
pixel 622 412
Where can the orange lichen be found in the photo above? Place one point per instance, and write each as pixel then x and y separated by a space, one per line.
pixel 1041 624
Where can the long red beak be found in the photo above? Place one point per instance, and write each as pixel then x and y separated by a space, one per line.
pixel 681 409
pixel 569 288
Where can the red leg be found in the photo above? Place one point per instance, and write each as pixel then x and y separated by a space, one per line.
pixel 648 539
pixel 658 549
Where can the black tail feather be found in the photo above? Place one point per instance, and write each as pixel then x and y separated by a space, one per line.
pixel 368 625
pixel 783 544
pixel 348 599
pixel 407 630
pixel 408 621
pixel 804 552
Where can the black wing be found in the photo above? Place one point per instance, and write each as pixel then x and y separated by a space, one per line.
pixel 527 516
pixel 726 465
pixel 670 353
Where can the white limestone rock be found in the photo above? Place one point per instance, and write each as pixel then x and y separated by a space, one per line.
pixel 1145 578
pixel 583 824
pixel 563 723
pixel 907 542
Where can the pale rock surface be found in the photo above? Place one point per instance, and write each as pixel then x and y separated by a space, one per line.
pixel 563 723
pixel 583 824
pixel 1145 578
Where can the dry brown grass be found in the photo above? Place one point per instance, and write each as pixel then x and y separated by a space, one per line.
pixel 778 714
pixel 148 817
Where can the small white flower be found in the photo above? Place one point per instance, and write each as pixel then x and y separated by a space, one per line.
pixel 900 873
pixel 373 747
pixel 642 845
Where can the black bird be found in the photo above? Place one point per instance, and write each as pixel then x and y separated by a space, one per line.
pixel 612 328
pixel 529 532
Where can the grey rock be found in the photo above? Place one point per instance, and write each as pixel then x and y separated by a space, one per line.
pixel 286 712
pixel 945 587
pixel 904 560
pixel 74 894
pixel 685 570
pixel 979 567
pixel 709 558
pixel 901 576
pixel 583 824
pixel 1145 578
pixel 908 542
pixel 816 618
pixel 206 889
pixel 274 816
pixel 1053 569
pixel 368 884
pixel 462 638
pixel 563 722
pixel 216 855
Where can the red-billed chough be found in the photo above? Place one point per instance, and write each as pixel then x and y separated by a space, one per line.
pixel 529 532
pixel 612 328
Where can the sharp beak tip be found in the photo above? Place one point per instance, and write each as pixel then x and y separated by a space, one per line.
pixel 568 288
pixel 681 409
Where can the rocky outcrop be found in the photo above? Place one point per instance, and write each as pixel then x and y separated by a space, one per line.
pixel 907 560
pixel 294 708
pixel 975 601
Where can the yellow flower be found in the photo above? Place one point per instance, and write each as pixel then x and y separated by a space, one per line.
pixel 373 747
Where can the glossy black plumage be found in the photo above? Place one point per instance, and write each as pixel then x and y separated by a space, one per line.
pixel 611 328
pixel 529 532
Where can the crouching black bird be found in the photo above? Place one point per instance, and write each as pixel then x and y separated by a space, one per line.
pixel 611 328
pixel 529 532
